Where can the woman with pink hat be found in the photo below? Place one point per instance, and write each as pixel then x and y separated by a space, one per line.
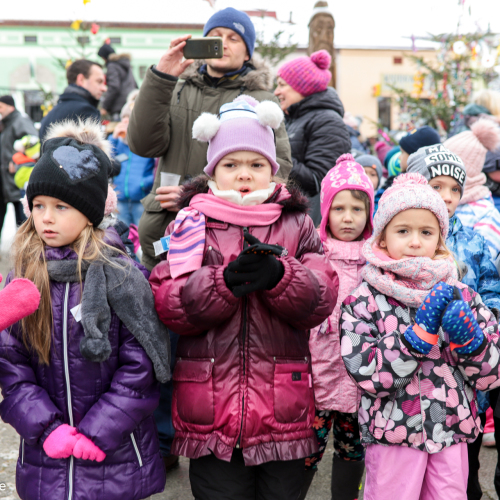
pixel 313 118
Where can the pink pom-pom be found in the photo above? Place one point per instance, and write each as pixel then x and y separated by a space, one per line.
pixel 345 157
pixel 412 178
pixel 248 99
pixel 111 201
pixel 487 133
pixel 321 59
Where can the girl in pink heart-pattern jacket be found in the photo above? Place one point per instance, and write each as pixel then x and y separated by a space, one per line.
pixel 419 406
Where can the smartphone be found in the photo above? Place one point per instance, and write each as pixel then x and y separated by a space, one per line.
pixel 204 48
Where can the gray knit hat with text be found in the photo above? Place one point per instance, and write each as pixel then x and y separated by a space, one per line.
pixel 434 161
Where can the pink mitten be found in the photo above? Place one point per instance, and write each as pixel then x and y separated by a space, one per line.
pixel 87 450
pixel 61 441
pixel 18 299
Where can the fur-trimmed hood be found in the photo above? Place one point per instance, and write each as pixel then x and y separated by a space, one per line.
pixel 258 77
pixel 117 57
pixel 86 131
pixel 199 185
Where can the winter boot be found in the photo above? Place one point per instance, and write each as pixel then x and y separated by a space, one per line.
pixel 346 478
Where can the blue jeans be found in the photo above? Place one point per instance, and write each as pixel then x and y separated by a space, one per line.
pixel 130 211
pixel 163 414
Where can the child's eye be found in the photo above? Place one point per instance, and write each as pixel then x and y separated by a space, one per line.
pixel 455 190
pixel 230 165
pixel 61 207
pixel 402 231
pixel 257 165
pixel 435 187
pixel 38 206
pixel 426 233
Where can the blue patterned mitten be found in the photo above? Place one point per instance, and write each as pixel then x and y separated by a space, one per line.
pixel 428 318
pixel 459 323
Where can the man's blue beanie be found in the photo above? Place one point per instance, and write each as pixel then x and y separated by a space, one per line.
pixel 235 20
pixel 418 138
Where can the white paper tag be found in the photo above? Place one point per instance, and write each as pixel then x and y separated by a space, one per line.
pixel 162 245
pixel 77 312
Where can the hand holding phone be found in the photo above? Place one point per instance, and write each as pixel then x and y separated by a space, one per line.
pixel 172 62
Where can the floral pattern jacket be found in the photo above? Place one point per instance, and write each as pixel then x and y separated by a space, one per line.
pixel 423 402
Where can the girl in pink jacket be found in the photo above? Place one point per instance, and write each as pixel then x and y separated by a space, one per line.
pixel 347 215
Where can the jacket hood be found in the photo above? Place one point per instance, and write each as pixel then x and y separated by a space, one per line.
pixel 199 185
pixel 328 99
pixel 258 76
pixel 75 92
pixel 122 59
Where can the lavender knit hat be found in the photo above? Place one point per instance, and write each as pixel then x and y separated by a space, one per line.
pixel 242 125
pixel 409 191
pixel 308 75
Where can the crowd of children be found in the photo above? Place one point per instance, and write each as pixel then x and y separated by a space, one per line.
pixel 381 327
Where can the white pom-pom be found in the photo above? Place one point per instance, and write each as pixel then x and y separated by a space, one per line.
pixel 205 127
pixel 269 114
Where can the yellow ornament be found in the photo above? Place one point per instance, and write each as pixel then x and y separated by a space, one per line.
pixel 69 62
pixel 75 25
pixel 85 2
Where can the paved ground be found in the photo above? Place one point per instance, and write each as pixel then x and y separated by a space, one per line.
pixel 177 487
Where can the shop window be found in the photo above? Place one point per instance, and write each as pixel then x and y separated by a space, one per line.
pixel 30 39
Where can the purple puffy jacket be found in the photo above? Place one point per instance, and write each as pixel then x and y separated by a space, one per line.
pixel 110 402
pixel 243 371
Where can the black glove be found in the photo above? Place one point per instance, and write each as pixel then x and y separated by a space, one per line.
pixel 256 268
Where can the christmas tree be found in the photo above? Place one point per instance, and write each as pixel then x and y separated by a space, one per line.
pixel 442 88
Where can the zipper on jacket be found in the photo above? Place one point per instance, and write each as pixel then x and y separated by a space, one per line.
pixel 243 335
pixel 136 448
pixel 68 387
pixel 22 451
pixel 127 173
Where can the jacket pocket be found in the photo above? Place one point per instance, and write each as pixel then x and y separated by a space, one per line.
pixel 193 390
pixel 292 394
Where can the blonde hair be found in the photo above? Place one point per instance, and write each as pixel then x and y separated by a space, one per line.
pixel 442 251
pixel 28 255
pixel 490 99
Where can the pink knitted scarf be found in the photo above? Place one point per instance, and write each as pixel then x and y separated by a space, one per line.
pixel 187 241
pixel 408 281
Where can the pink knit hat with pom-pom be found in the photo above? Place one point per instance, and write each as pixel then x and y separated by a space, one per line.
pixel 471 146
pixel 347 174
pixel 308 75
pixel 244 124
pixel 410 191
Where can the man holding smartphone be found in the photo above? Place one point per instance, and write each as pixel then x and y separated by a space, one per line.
pixel 174 93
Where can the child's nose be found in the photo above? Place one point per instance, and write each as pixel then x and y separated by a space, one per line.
pixel 415 241
pixel 244 174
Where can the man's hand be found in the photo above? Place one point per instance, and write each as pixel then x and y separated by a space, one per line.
pixel 168 197
pixel 171 62
pixel 12 167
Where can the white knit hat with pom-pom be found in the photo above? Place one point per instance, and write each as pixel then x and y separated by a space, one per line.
pixel 242 125
pixel 471 146
pixel 410 191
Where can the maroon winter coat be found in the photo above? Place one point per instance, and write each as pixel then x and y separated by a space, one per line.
pixel 243 372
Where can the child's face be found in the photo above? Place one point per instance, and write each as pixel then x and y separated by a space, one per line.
pixel 403 160
pixel 57 222
pixel 243 171
pixel 372 175
pixel 411 233
pixel 347 217
pixel 449 189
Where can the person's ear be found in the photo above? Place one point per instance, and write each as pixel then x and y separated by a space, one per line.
pixel 80 78
pixel 89 223
pixel 382 244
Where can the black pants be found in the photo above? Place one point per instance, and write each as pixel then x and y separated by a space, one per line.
pixel 474 491
pixel 214 479
pixel 19 210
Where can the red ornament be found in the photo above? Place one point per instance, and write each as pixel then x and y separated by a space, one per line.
pixel 94 28
pixel 108 41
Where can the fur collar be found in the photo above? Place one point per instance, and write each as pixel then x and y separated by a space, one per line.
pixel 259 78
pixel 117 57
pixel 296 203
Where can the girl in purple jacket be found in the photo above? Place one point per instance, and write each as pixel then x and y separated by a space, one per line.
pixel 78 375
pixel 347 215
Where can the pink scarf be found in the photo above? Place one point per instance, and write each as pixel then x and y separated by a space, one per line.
pixel 187 241
pixel 407 280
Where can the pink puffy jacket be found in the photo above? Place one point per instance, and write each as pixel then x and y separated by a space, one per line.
pixel 242 377
pixel 333 387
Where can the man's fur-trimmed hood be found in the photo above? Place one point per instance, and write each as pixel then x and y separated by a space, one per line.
pixel 117 57
pixel 259 78
pixel 199 185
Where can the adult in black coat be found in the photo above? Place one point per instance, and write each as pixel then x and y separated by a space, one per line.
pixel 120 80
pixel 313 119
pixel 86 84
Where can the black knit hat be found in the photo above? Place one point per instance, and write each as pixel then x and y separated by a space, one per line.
pixel 8 99
pixel 105 51
pixel 73 172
